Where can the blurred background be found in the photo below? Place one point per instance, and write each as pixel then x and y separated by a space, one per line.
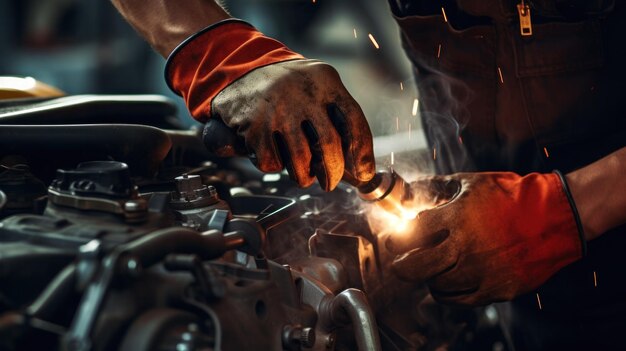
pixel 85 47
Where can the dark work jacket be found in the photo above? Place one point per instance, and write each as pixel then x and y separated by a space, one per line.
pixel 493 100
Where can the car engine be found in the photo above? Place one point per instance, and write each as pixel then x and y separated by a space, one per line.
pixel 118 231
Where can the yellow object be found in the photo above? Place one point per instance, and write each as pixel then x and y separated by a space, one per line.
pixel 25 87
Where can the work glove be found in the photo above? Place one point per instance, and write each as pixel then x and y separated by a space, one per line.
pixel 496 236
pixel 280 109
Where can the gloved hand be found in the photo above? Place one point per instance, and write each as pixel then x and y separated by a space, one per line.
pixel 499 235
pixel 287 111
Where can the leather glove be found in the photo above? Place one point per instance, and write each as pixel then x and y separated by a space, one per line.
pixel 282 110
pixel 497 236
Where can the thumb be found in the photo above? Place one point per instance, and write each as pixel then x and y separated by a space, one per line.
pixel 221 140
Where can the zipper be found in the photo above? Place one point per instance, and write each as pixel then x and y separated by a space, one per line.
pixel 525 23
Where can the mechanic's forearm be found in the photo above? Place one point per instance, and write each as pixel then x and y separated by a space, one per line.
pixel 599 191
pixel 166 23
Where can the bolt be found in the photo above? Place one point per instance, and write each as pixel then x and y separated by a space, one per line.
pixel 295 337
pixel 138 205
pixel 131 267
pixel 307 337
pixel 330 341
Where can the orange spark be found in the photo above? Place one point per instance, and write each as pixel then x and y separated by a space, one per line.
pixel 414 110
pixel 545 151
pixel 354 31
pixel 443 11
pixel 500 74
pixel 439 51
pixel 373 41
pixel 434 153
pixel 595 279
pixel 539 301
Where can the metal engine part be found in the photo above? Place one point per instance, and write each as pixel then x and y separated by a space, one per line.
pixel 165 247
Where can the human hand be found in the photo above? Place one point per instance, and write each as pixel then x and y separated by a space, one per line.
pixel 498 236
pixel 282 110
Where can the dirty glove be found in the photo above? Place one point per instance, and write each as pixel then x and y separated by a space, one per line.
pixel 498 236
pixel 282 110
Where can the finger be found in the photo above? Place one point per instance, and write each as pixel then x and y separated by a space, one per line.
pixel 263 152
pixel 285 156
pixel 459 298
pixel 356 138
pixel 454 282
pixel 326 155
pixel 430 250
pixel 221 140
pixel 296 153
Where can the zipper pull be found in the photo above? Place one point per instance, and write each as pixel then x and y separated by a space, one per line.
pixel 525 24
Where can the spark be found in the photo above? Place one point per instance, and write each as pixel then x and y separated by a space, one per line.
pixel 595 279
pixel 439 51
pixel 392 158
pixel 354 31
pixel 434 153
pixel 443 11
pixel 401 86
pixel 545 151
pixel 373 41
pixel 500 74
pixel 415 104
pixel 539 301
pixel 460 140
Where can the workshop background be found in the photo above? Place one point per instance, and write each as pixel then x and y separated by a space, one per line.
pixel 85 47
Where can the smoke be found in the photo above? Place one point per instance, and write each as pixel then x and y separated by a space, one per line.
pixel 445 114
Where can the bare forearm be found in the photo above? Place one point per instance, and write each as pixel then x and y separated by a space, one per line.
pixel 166 23
pixel 599 191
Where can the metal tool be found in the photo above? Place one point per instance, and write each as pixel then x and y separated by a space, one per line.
pixel 387 190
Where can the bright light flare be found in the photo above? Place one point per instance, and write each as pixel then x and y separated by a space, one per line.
pixel 385 222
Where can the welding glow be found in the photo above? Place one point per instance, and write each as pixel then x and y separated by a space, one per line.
pixel 374 41
pixel 415 105
pixel 383 222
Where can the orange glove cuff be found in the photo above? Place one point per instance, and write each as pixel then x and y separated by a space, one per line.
pixel 210 60
pixel 548 224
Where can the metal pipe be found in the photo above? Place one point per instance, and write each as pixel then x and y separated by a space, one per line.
pixel 352 305
pixel 55 294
